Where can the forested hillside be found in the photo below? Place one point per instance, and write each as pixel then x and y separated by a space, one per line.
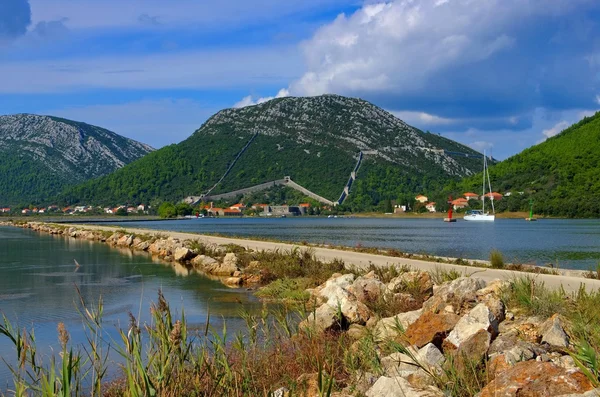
pixel 315 141
pixel 561 175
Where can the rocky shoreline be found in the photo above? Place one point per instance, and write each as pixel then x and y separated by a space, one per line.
pixel 428 335
pixel 224 266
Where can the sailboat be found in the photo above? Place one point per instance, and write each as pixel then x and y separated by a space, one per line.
pixel 481 215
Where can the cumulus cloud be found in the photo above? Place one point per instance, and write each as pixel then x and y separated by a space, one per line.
pixel 422 118
pixel 15 17
pixel 459 58
pixel 249 101
pixel 557 129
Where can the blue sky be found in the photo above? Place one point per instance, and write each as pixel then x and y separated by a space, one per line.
pixel 493 74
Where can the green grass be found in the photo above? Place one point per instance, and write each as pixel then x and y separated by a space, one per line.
pixel 287 290
pixel 496 259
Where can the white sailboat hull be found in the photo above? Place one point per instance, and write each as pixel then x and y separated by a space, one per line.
pixel 480 217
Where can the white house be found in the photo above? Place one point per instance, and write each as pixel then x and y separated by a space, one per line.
pixel 430 207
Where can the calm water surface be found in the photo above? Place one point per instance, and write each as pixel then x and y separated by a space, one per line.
pixel 573 244
pixel 38 289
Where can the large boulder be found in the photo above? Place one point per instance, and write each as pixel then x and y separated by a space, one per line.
pixel 400 387
pixel 202 260
pixel 428 359
pixel 460 293
pixel 431 328
pixel 480 318
pixel 472 351
pixel 182 254
pixel 324 318
pixel 221 269
pixel 417 281
pixel 367 289
pixel 390 327
pixel 230 260
pixel 534 378
pixel 142 245
pixel 513 349
pixel 336 294
pixel 553 332
pixel 160 247
pixel 125 241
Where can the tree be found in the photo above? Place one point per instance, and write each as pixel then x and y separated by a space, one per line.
pixel 167 210
pixel 388 206
pixel 121 211
pixel 184 209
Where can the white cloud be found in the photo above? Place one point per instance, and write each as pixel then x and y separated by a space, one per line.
pixel 556 129
pixel 598 99
pixel 157 122
pixel 422 118
pixel 446 57
pixel 249 101
pixel 397 45
pixel 480 146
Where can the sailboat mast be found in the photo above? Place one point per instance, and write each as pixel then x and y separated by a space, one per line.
pixel 483 188
pixel 490 186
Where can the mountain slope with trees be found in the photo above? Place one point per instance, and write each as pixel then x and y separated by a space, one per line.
pixel 561 175
pixel 41 155
pixel 315 141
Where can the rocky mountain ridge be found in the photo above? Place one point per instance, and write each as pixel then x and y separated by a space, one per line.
pixel 360 126
pixel 315 141
pixel 41 154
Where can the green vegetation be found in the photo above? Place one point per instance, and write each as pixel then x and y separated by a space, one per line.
pixel 561 175
pixel 41 156
pixel 167 210
pixel 315 141
pixel 496 259
pixel 24 180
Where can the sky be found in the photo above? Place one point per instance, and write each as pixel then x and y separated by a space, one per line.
pixel 500 75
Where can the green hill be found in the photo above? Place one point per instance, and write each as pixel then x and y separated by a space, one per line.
pixel 316 141
pixel 41 155
pixel 561 175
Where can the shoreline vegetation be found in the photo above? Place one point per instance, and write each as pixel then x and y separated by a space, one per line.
pixel 368 330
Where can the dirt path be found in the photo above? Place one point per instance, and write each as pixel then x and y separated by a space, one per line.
pixel 570 282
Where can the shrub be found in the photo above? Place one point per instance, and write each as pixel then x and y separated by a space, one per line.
pixel 496 259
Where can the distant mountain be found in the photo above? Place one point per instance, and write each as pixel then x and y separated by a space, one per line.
pixel 314 140
pixel 561 175
pixel 41 155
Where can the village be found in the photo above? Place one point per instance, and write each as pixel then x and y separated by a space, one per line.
pixel 458 204
pixel 421 203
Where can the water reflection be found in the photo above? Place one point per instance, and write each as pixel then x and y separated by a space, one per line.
pixel 39 287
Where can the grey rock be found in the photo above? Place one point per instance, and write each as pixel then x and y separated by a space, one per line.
pixel 480 317
pixel 324 318
pixel 553 333
pixel 389 327
pixel 182 254
pixel 400 387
